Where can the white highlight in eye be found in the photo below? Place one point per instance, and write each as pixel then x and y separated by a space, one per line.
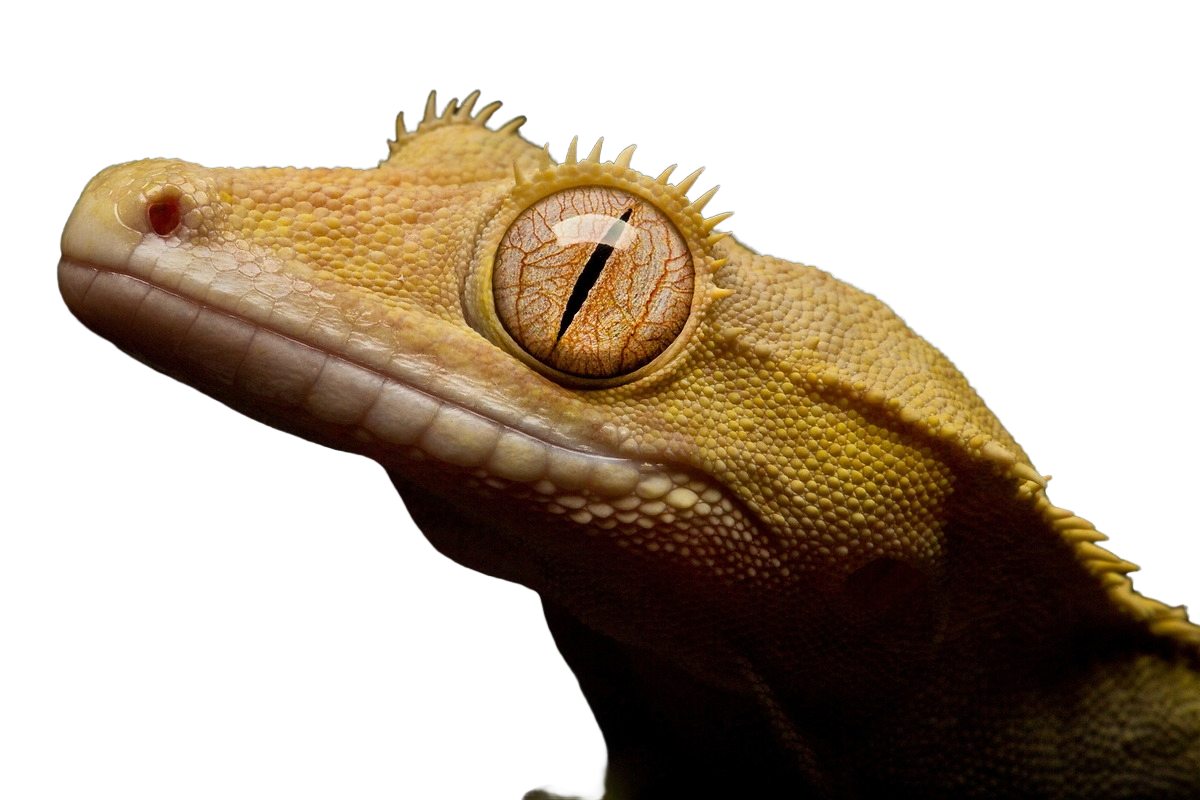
pixel 594 229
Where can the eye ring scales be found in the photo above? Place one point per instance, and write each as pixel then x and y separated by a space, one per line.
pixel 593 281
pixel 595 274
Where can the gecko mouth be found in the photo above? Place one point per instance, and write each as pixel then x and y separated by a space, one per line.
pixel 252 367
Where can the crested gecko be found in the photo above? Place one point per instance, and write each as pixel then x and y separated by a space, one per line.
pixel 612 155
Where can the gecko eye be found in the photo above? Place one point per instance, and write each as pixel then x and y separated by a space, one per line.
pixel 163 215
pixel 593 281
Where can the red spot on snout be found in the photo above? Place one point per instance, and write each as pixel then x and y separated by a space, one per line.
pixel 163 216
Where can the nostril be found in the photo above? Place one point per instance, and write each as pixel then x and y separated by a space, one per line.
pixel 163 216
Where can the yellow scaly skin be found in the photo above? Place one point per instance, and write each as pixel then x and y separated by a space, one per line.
pixel 793 554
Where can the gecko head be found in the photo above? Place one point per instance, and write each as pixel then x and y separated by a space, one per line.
pixel 387 313
pixel 573 342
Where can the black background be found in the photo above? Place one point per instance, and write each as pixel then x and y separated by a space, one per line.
pixel 211 595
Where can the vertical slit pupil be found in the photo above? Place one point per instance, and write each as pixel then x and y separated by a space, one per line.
pixel 591 273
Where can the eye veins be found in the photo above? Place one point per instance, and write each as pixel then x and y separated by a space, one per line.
pixel 592 281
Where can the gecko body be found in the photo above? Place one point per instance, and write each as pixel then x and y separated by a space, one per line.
pixel 780 540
